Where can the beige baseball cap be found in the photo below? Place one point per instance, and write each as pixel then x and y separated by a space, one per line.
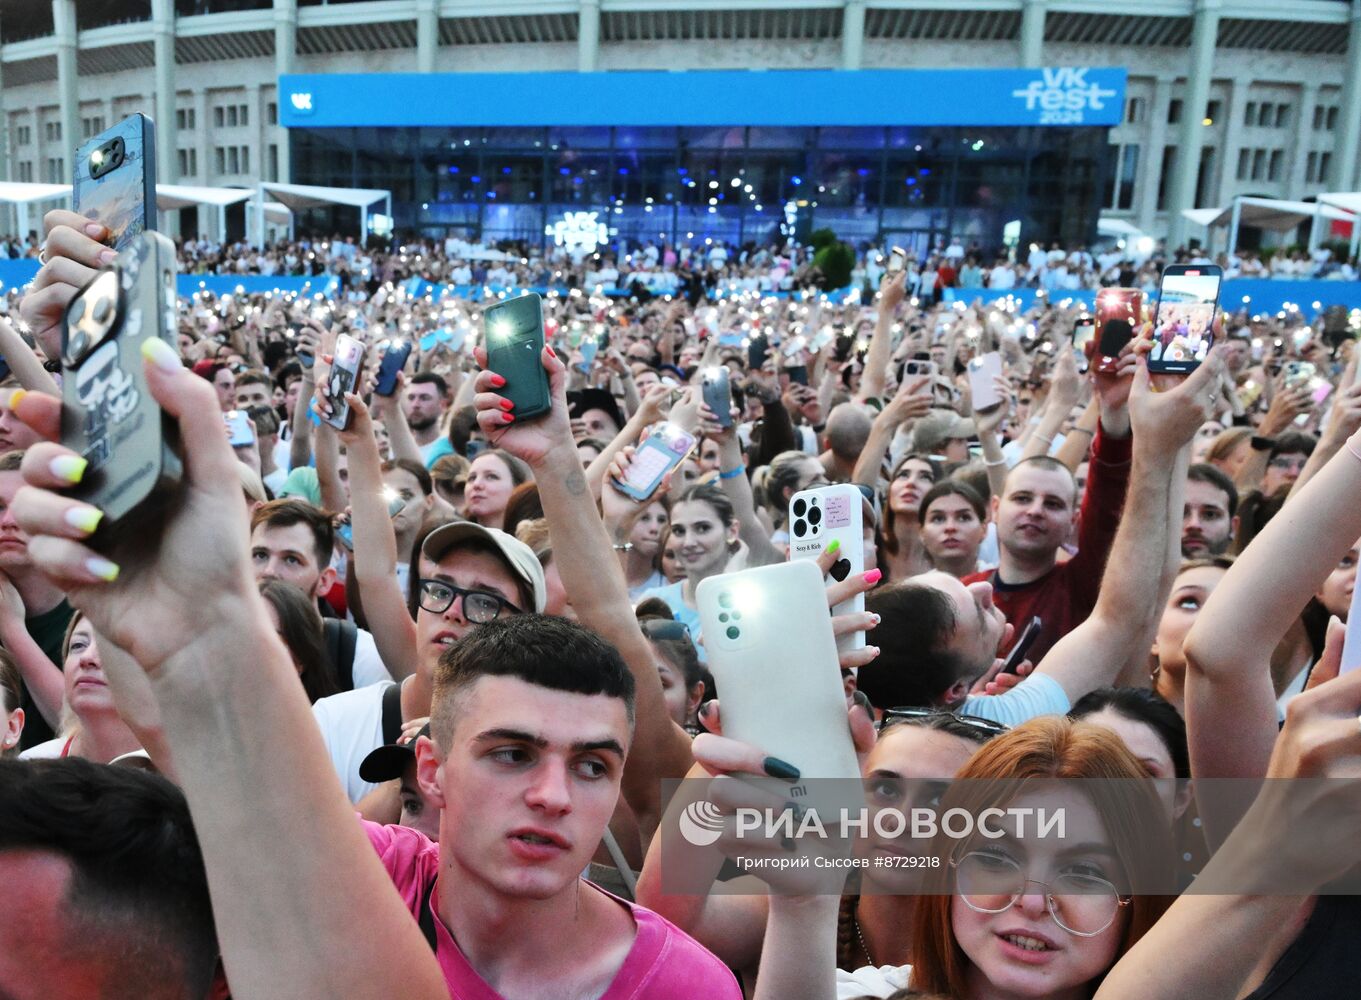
pixel 519 556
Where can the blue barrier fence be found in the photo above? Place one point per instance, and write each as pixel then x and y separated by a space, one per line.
pixel 1260 295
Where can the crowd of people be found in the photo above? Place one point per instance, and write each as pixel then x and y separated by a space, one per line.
pixel 433 648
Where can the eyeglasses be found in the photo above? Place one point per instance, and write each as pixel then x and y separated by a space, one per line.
pixel 1287 463
pixel 664 628
pixel 479 607
pixel 974 722
pixel 1082 904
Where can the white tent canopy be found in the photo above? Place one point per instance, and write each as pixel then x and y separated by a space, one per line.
pixel 21 195
pixel 296 197
pixel 1120 228
pixel 1348 201
pixel 173 196
pixel 1276 214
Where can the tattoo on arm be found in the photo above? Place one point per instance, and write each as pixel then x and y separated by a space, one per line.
pixel 576 483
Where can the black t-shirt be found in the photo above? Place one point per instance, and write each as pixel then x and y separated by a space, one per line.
pixel 1321 962
pixel 47 630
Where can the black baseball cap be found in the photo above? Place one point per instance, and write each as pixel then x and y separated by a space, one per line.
pixel 390 761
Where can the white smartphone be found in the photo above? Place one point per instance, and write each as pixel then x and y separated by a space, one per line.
pixel 1351 642
pixel 816 518
pixel 897 260
pixel 982 370
pixel 768 633
pixel 240 431
pixel 665 448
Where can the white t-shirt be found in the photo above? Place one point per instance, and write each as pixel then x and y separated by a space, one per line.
pixel 50 750
pixel 351 725
pixel 368 665
pixel 867 981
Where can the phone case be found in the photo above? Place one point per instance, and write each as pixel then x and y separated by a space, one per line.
pixel 343 377
pixel 718 394
pixel 513 332
pixel 240 433
pixel 108 415
pixel 120 190
pixel 665 448
pixel 816 518
pixel 394 359
pixel 1118 312
pixel 1183 323
pixel 768 633
pixel 1084 332
pixel 982 370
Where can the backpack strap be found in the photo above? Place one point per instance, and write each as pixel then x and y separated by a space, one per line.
pixel 426 919
pixel 392 714
pixel 342 640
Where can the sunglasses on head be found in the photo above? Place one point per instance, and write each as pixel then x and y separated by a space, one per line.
pixel 664 628
pixel 974 722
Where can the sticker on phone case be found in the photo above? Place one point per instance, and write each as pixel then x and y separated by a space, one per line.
pixel 108 395
pixel 838 512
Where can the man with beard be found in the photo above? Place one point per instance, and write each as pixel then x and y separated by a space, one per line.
pixel 1209 518
pixel 425 400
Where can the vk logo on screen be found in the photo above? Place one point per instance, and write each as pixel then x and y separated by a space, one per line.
pixel 1063 95
pixel 302 103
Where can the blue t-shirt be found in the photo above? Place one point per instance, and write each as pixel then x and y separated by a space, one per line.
pixel 1038 694
pixel 674 596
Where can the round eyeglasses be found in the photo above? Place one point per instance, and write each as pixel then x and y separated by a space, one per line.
pixel 1082 904
pixel 479 607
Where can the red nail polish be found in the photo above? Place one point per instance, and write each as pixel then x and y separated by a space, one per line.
pixel 551 352
pixel 507 418
pixel 498 380
pixel 873 576
pixel 506 404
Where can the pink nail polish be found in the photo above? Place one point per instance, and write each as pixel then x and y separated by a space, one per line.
pixel 873 576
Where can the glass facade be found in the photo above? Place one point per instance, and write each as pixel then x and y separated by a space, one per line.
pixel 910 186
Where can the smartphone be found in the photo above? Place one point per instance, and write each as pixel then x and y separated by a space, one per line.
pixel 819 516
pixel 758 349
pixel 346 530
pixel 429 341
pixel 665 448
pixel 115 180
pixel 1084 332
pixel 792 348
pixel 917 368
pixel 718 393
pixel 1298 373
pixel 897 260
pixel 513 333
pixel 394 360
pixel 1351 642
pixel 344 376
pixel 589 348
pixel 240 431
pixel 982 370
pixel 1183 324
pixel 797 374
pixel 1118 312
pixel 108 415
pixel 768 633
pixel 822 338
pixel 1018 653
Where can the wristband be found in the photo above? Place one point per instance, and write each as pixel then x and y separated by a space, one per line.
pixel 733 473
pixel 623 546
pixel 1260 443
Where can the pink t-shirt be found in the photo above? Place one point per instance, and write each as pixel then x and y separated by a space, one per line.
pixel 664 963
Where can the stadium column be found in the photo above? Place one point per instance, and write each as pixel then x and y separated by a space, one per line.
pixel 853 35
pixel 1190 135
pixel 1299 146
pixel 427 35
pixel 64 31
pixel 167 146
pixel 10 219
pixel 1342 177
pixel 1230 125
pixel 285 52
pixel 588 36
pixel 1151 156
pixel 1032 32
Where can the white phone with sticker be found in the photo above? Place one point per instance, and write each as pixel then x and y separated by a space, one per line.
pixel 768 633
pixel 982 370
pixel 819 516
pixel 1351 642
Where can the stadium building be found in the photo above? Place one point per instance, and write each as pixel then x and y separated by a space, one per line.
pixel 913 120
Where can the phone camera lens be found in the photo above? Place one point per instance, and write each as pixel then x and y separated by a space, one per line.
pixel 723 617
pixel 725 600
pixel 800 528
pixel 799 507
pixel 102 309
pixel 78 343
pixel 733 632
pixel 815 516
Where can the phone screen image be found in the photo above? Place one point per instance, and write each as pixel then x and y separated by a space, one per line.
pixel 1084 332
pixel 665 448
pixel 1183 329
pixel 1117 317
pixel 240 432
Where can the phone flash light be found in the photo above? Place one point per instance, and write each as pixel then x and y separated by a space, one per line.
pixel 97 157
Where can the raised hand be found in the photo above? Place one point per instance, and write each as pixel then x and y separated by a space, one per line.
pixel 534 439
pixel 74 252
pixel 1169 419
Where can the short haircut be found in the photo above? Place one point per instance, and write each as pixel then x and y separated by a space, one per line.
pixel 915 665
pixel 952 488
pixel 420 472
pixel 288 511
pixel 1293 443
pixel 847 430
pixel 1203 472
pixel 138 884
pixel 255 377
pixel 430 378
pixel 1049 464
pixel 10 461
pixel 542 650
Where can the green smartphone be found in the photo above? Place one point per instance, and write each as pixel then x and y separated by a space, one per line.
pixel 513 333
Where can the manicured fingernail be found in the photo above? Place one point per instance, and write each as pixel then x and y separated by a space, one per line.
pixel 497 380
pixel 873 577
pixel 835 546
pixel 872 650
pixel 777 768
pixel 84 519
pixel 507 418
pixel 15 396
pixel 107 257
pixel 706 709
pixel 102 568
pixel 506 404
pixel 162 355
pixel 94 230
pixel 875 619
pixel 551 352
pixel 69 468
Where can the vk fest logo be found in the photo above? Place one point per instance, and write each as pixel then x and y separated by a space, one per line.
pixel 1063 95
pixel 302 103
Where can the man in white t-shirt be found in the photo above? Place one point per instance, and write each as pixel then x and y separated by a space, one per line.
pixel 469 575
pixel 291 540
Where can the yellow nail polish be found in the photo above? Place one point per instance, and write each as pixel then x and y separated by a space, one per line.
pixel 69 468
pixel 102 568
pixel 84 519
pixel 162 355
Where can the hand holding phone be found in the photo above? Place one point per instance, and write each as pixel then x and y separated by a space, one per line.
pixel 394 360
pixel 665 448
pixel 240 430
pixel 514 338
pixel 114 180
pixel 817 518
pixel 1119 311
pixel 1183 324
pixel 983 370
pixel 718 393
pixel 342 379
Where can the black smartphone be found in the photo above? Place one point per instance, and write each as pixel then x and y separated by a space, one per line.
pixel 108 415
pixel 797 373
pixel 394 360
pixel 717 393
pixel 758 349
pixel 1183 325
pixel 115 180
pixel 348 359
pixel 1029 634
pixel 513 333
